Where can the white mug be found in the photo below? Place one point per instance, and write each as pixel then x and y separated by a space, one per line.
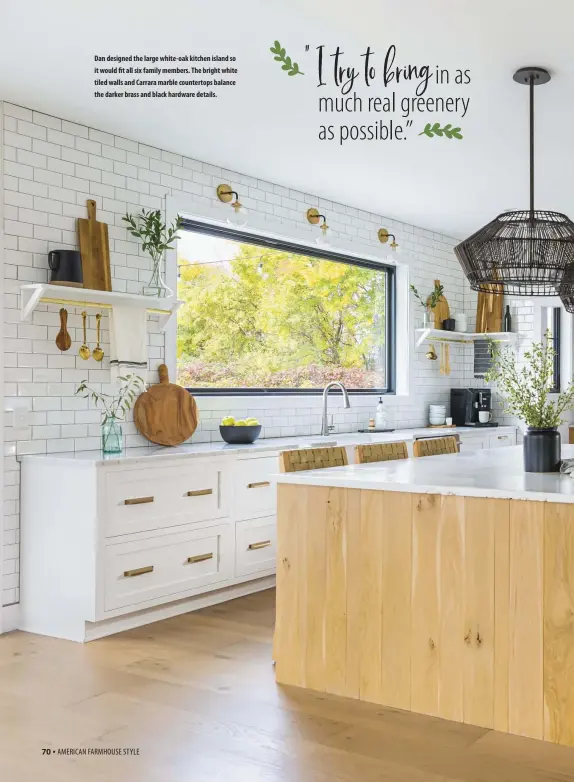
pixel 449 421
pixel 483 416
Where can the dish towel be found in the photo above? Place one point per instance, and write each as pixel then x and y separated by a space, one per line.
pixel 128 342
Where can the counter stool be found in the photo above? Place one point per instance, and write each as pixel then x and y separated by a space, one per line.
pixel 380 452
pixel 434 446
pixel 312 458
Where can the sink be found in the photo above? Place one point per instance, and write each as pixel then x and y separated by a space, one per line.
pixel 321 444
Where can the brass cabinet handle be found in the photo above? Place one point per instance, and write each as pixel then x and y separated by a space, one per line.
pixel 138 501
pixel 138 571
pixel 258 485
pixel 199 558
pixel 261 544
pixel 503 437
pixel 199 492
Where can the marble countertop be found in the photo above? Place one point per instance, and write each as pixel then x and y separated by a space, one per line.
pixel 494 473
pixel 260 446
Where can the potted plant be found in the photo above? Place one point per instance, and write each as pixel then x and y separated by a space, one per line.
pixel 156 238
pixel 526 389
pixel 115 408
pixel 430 302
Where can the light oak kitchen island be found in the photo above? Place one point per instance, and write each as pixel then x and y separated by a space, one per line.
pixel 442 585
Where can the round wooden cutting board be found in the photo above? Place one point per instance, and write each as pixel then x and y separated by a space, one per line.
pixel 166 414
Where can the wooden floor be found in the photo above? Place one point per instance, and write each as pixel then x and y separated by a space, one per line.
pixel 196 696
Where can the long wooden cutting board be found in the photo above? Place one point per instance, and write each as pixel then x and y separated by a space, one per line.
pixel 166 414
pixel 95 251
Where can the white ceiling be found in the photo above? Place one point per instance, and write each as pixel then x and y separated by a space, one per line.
pixel 267 126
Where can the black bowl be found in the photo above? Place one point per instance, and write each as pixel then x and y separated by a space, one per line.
pixel 240 435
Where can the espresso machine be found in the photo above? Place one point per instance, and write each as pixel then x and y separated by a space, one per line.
pixel 467 403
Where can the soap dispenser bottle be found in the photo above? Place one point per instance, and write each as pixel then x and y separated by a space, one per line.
pixel 380 415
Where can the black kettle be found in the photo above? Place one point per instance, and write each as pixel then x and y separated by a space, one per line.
pixel 66 266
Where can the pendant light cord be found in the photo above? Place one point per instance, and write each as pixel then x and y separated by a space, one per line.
pixel 532 147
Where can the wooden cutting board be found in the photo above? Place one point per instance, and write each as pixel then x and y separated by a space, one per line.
pixel 489 310
pixel 95 251
pixel 441 311
pixel 166 414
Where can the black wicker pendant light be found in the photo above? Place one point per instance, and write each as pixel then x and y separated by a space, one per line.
pixel 531 252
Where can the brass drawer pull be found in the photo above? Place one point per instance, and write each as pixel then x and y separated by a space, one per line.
pixel 199 558
pixel 138 501
pixel 258 485
pixel 139 571
pixel 199 492
pixel 261 544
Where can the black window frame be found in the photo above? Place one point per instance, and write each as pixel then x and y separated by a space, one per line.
pixel 556 344
pixel 223 232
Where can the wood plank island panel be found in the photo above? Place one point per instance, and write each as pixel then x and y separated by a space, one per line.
pixel 456 607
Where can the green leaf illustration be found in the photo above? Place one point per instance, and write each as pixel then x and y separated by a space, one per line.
pixel 282 56
pixel 435 130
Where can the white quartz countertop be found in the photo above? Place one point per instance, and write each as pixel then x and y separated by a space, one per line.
pixel 495 473
pixel 260 446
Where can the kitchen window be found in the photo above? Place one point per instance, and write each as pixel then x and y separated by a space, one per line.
pixel 551 323
pixel 267 316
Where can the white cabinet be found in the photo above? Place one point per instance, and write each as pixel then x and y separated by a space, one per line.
pixel 135 500
pixel 254 493
pixel 255 546
pixel 170 565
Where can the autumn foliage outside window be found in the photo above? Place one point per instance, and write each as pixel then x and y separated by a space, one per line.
pixel 261 317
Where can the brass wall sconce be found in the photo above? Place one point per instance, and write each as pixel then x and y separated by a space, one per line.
pixel 384 237
pixel 226 195
pixel 313 217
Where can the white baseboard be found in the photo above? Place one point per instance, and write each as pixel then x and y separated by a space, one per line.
pixel 95 630
pixel 10 618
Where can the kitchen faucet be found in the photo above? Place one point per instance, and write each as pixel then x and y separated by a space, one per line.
pixel 325 428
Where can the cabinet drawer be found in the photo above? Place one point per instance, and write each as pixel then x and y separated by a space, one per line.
pixel 164 567
pixel 255 494
pixel 255 546
pixel 501 440
pixel 148 499
pixel 471 443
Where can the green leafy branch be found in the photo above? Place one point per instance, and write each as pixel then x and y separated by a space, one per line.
pixel 155 235
pixel 435 130
pixel 432 300
pixel 282 56
pixel 526 384
pixel 115 407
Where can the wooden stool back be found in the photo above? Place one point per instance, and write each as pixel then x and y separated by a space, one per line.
pixel 380 452
pixel 435 446
pixel 312 458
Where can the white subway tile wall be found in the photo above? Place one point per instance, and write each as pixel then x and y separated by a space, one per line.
pixel 51 167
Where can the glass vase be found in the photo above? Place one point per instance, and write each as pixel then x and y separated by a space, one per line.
pixel 112 436
pixel 156 286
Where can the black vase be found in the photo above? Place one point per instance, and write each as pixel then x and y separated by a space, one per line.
pixel 542 450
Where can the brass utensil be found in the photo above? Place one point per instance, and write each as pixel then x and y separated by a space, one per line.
pixel 63 340
pixel 431 353
pixel 84 351
pixel 97 352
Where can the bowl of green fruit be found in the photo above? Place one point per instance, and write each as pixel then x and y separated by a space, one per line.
pixel 241 432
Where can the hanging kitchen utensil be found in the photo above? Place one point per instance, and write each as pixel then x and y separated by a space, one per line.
pixel 441 311
pixel 97 352
pixel 63 340
pixel 441 368
pixel 166 414
pixel 95 251
pixel 84 351
pixel 431 353
pixel 447 359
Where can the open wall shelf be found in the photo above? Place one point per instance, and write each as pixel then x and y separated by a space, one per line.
pixel 464 337
pixel 43 293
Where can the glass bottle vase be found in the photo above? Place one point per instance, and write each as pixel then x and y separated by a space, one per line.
pixel 156 286
pixel 112 436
